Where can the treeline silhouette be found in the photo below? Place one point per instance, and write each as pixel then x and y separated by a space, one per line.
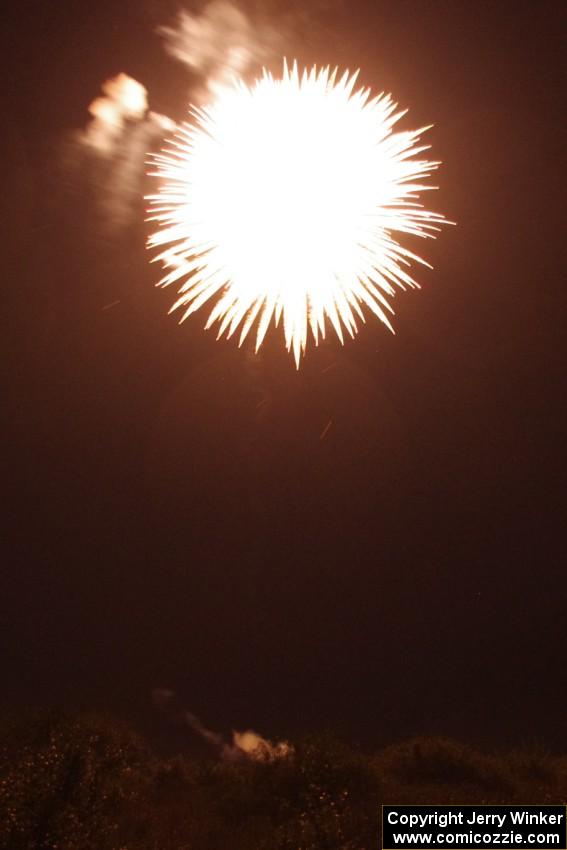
pixel 89 782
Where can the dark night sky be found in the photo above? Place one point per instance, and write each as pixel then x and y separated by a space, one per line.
pixel 404 575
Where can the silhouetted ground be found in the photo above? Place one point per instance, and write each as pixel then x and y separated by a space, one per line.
pixel 90 783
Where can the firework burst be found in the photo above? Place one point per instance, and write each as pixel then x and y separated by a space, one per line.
pixel 284 200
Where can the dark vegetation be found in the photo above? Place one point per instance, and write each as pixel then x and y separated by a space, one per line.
pixel 90 783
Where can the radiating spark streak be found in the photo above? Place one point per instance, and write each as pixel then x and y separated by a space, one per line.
pixel 281 201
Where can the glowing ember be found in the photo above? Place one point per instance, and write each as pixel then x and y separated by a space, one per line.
pixel 282 200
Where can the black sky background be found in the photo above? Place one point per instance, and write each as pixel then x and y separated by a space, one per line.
pixel 173 518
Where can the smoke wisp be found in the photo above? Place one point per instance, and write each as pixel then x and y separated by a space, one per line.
pixel 244 745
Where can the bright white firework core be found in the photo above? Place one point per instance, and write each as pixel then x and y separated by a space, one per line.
pixel 282 201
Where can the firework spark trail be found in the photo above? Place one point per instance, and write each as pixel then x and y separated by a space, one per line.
pixel 281 199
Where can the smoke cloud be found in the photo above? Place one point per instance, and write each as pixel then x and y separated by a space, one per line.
pixel 123 99
pixel 245 745
pixel 115 142
pixel 219 44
